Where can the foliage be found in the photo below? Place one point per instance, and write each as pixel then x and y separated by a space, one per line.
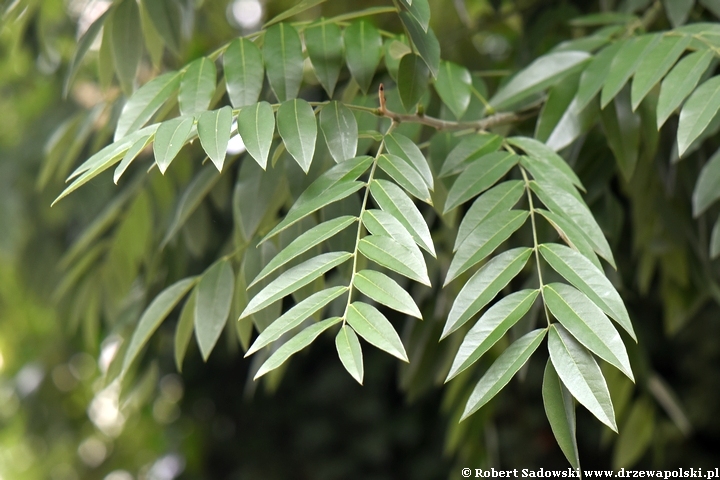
pixel 379 183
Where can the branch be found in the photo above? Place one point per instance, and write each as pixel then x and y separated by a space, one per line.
pixel 501 118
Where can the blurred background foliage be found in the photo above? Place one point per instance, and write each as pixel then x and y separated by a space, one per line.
pixel 59 419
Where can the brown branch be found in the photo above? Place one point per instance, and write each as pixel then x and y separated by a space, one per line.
pixel 497 119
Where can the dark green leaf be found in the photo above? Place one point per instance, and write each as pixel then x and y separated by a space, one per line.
pixel 350 352
pixel 405 175
pixel 83 45
pixel 590 280
pixel 256 126
pixel 127 46
pixel 363 47
pixel 244 72
pixel 412 80
pixel 212 306
pixel 294 345
pixel 560 97
pixel 454 86
pixel 707 189
pixel 282 51
pixel 420 11
pixel 622 128
pixel 424 40
pixel 560 411
pixel 502 370
pixel 537 76
pixel 143 104
pixel 299 7
pixel 469 150
pixel 715 240
pixel 197 86
pixel 169 139
pixel 184 330
pixel 295 278
pixel 496 200
pixel 386 291
pixel 604 18
pixel 377 330
pixel 391 254
pixel 214 132
pixel 393 200
pixel 484 285
pixel 678 11
pixel 298 129
pixel 166 17
pixel 656 64
pixel 581 374
pixel 340 130
pixel 636 435
pixel 394 51
pixel 490 328
pixel 698 112
pixel 295 316
pixel 712 5
pixel 153 316
pixel 680 82
pixel 325 48
pixel 625 63
pixel 595 74
pixel 480 175
pixel 303 243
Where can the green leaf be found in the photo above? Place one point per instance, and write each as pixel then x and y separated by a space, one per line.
pixel 130 156
pixel 294 345
pixel 184 329
pixel 420 11
pixel 83 45
pixel 484 285
pixel 306 241
pixel 169 139
pixel 636 435
pixel 678 11
pixel 571 235
pixel 454 86
pixel 604 18
pixel 214 132
pixel 282 51
pixel 412 80
pixel 127 46
pixel 707 188
pixel 698 112
pixel 393 200
pixel 295 278
pixel 403 147
pixel 324 45
pixel 484 239
pixel 379 222
pixel 405 175
pixel 350 352
pixel 468 150
pixel 622 129
pixel 588 324
pixel 391 254
pixel 386 291
pixel 256 126
pixel 589 279
pixel 502 370
pixel 625 63
pixel 715 240
pixel 363 49
pixel 712 5
pixel 543 172
pixel 197 86
pixel 154 43
pixel 297 127
pixel 143 104
pixel 480 175
pixel 574 210
pixel 546 155
pixel 490 328
pixel 377 330
pixel 680 82
pixel 340 130
pixel 300 7
pixel 424 40
pixel 335 184
pixel 190 200
pixel 153 316
pixel 395 49
pixel 537 76
pixel 560 411
pixel 496 200
pixel 656 64
pixel 166 17
pixel 212 307
pixel 557 109
pixel 295 316
pixel 581 374
pixel 595 74
pixel 244 72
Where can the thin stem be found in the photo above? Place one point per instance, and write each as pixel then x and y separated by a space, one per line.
pixel 363 206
